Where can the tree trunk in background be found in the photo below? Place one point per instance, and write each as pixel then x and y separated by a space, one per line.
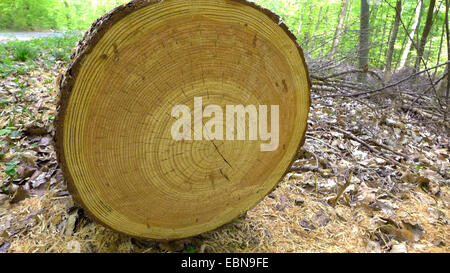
pixel 442 87
pixel 440 48
pixel 307 35
pixel 447 2
pixel 326 28
pixel 340 27
pixel 363 55
pixel 349 14
pixel 426 31
pixel 319 20
pixel 418 24
pixel 382 40
pixel 411 35
pixel 398 13
pixel 404 40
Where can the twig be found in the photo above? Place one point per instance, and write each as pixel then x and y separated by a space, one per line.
pixel 381 145
pixel 370 148
pixel 385 87
pixel 348 72
pixel 342 190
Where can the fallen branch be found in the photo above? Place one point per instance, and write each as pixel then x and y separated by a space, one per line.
pixel 370 148
pixel 385 87
pixel 353 71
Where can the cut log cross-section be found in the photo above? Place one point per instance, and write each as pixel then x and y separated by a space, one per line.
pixel 146 134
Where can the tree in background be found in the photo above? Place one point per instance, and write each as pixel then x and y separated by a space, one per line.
pixel 444 86
pixel 340 26
pixel 331 26
pixel 363 56
pixel 426 31
pixel 410 38
pixel 27 14
pixel 392 39
pixel 52 14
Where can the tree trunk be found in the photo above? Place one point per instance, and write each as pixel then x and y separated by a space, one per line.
pixel 419 24
pixel 133 153
pixel 447 93
pixel 320 19
pixel 442 87
pixel 349 14
pixel 383 35
pixel 440 48
pixel 364 35
pixel 411 35
pixel 398 12
pixel 426 31
pixel 307 35
pixel 405 39
pixel 340 27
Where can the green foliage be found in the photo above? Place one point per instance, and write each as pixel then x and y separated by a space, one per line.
pixel 11 168
pixel 52 14
pixel 18 57
pixel 23 52
pixel 190 249
pixel 314 22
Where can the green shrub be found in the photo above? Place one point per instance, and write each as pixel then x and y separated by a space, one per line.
pixel 23 52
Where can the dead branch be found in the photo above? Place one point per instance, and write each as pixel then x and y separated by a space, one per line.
pixel 370 148
pixel 384 87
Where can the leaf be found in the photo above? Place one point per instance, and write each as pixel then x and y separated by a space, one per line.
pixel 306 225
pixel 190 250
pixel 15 134
pixel 11 168
pixel 5 247
pixel 399 248
pixel 415 231
pixel 20 195
pixel 4 132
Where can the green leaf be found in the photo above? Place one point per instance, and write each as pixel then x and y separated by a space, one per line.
pixel 11 168
pixel 15 134
pixel 4 132
pixel 191 250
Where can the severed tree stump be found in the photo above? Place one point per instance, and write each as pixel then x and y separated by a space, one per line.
pixel 169 111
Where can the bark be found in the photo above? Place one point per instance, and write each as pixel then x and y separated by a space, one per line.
pixel 398 12
pixel 426 31
pixel 442 87
pixel 419 25
pixel 411 35
pixel 363 55
pixel 440 47
pixel 447 93
pixel 340 27
pixel 308 25
pixel 382 38
pixel 320 19
pixel 349 13
pixel 405 39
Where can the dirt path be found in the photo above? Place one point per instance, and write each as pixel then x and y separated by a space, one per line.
pixel 25 36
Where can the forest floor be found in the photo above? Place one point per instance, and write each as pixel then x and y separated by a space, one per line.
pixel 388 167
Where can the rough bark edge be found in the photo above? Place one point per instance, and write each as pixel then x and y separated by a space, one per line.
pixel 66 80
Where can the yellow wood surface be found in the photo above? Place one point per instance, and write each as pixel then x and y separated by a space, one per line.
pixel 119 154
